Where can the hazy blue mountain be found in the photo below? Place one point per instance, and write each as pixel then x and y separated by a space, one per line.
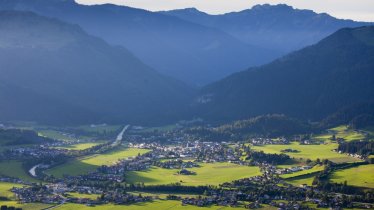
pixel 187 51
pixel 311 83
pixel 52 71
pixel 277 27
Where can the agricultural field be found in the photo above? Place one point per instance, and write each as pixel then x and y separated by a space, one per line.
pixel 322 151
pixel 81 146
pixel 206 174
pixel 361 176
pixel 79 195
pixel 155 205
pixel 54 134
pixel 302 179
pixel 14 169
pixel 90 163
pixel 315 169
pixel 347 133
pixel 25 206
pixel 5 188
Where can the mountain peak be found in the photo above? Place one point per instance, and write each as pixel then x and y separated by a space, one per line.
pixel 188 11
pixel 265 7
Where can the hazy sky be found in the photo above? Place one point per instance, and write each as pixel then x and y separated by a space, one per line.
pixel 347 9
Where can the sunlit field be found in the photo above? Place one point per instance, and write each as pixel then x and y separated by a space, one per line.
pixel 361 176
pixel 322 151
pixel 206 174
pixel 90 163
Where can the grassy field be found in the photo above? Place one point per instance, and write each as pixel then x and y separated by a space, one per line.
pixel 15 169
pixel 54 134
pixel 89 196
pixel 207 174
pixel 299 173
pixel 323 151
pixel 26 206
pixel 5 188
pixel 303 179
pixel 346 133
pixel 361 176
pixel 90 163
pixel 82 146
pixel 155 205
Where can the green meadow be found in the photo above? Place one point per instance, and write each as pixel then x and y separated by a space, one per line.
pixel 347 133
pixel 25 206
pixel 206 174
pixel 14 169
pixel 92 162
pixel 5 188
pixel 54 134
pixel 81 146
pixel 155 205
pixel 315 169
pixel 322 151
pixel 361 176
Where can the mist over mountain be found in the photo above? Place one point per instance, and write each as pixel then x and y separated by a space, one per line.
pixel 184 50
pixel 277 27
pixel 310 84
pixel 54 72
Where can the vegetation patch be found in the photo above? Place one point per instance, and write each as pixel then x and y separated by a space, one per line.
pixel 15 169
pixel 155 205
pixel 92 162
pixel 313 152
pixel 206 174
pixel 360 176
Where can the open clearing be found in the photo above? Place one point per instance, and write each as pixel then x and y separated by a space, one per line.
pixel 91 163
pixel 322 151
pixel 361 176
pixel 14 169
pixel 206 174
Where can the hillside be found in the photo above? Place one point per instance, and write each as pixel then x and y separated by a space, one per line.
pixel 54 72
pixel 184 50
pixel 277 27
pixel 310 84
pixel 20 137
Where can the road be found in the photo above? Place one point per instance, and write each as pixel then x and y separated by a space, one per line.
pixel 120 136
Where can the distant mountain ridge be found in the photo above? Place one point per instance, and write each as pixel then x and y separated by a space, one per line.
pixel 184 50
pixel 54 72
pixel 278 27
pixel 310 84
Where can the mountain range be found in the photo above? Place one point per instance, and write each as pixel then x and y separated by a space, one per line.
pixel 53 71
pixel 187 51
pixel 308 84
pixel 189 45
pixel 280 28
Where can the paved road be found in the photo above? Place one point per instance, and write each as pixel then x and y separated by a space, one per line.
pixel 120 136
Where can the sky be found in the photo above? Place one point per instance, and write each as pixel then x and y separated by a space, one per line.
pixel 360 10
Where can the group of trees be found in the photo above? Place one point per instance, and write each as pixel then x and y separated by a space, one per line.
pixel 20 136
pixel 364 148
